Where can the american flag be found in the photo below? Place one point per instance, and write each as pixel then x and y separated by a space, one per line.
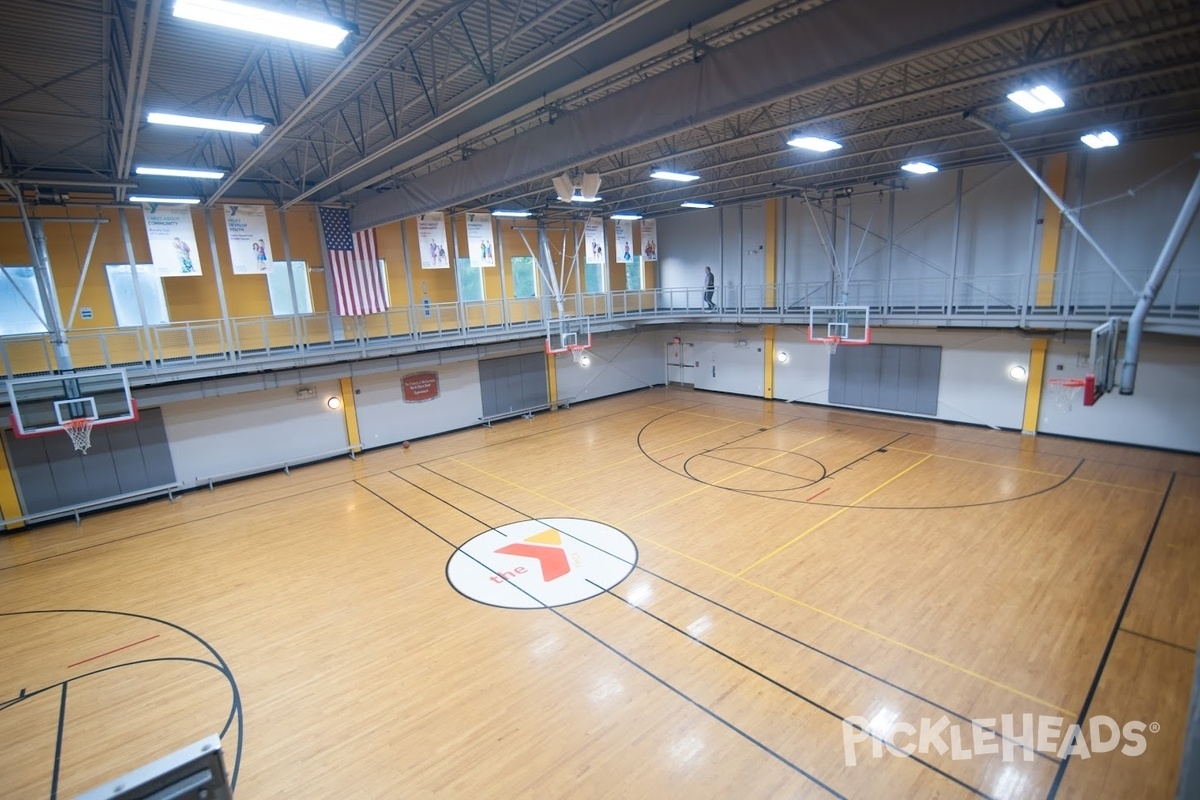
pixel 354 261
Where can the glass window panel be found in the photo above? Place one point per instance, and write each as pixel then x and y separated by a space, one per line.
pixel 21 309
pixel 281 295
pixel 524 274
pixel 470 281
pixel 633 274
pixel 124 295
pixel 593 278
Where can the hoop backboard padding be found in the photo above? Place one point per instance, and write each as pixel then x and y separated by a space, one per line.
pixel 1066 392
pixel 850 325
pixel 41 404
pixel 1103 356
pixel 195 771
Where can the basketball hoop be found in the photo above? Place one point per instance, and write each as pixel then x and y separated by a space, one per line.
pixel 1065 391
pixel 80 431
pixel 579 354
pixel 831 344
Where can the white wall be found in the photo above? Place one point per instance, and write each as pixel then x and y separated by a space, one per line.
pixel 618 364
pixel 384 418
pixel 217 436
pixel 686 243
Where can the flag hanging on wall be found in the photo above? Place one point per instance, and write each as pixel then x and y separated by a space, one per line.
pixel 353 259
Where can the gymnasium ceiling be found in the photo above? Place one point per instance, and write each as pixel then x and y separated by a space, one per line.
pixel 476 104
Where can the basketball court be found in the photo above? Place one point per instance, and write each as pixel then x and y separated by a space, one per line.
pixel 666 593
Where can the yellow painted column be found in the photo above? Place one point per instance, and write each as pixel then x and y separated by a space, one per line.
pixel 769 361
pixel 10 505
pixel 1033 385
pixel 552 379
pixel 770 271
pixel 1056 179
pixel 351 414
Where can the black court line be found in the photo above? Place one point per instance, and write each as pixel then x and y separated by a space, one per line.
pixel 627 659
pixel 1112 638
pixel 235 711
pixel 794 693
pixel 1156 640
pixel 837 659
pixel 58 742
pixel 757 468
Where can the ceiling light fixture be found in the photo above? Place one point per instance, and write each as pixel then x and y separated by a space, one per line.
pixel 696 204
pixel 625 215
pixel 1100 139
pixel 1039 98
pixel 165 201
pixel 919 167
pixel 511 213
pixel 203 174
pixel 229 125
pixel 814 143
pixel 667 175
pixel 261 21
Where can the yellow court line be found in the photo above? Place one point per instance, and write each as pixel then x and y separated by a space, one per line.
pixel 858 627
pixel 519 486
pixel 717 484
pixel 986 463
pixel 832 516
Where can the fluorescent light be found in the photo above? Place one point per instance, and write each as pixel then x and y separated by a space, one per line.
pixel 1039 98
pixel 154 199
pixel 1100 139
pixel 696 204
pixel 261 21
pixel 207 174
pixel 233 126
pixel 667 175
pixel 581 199
pixel 503 213
pixel 918 167
pixel 815 143
pixel 625 215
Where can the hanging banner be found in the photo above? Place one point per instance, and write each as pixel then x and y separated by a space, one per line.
pixel 249 242
pixel 479 240
pixel 172 240
pixel 649 240
pixel 431 237
pixel 593 239
pixel 623 237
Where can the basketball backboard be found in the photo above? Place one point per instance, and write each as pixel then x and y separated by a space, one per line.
pixel 1105 341
pixel 196 772
pixel 569 335
pixel 42 404
pixel 836 325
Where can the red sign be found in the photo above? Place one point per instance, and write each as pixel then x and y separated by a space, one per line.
pixel 420 386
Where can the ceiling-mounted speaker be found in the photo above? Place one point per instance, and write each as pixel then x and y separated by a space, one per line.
pixel 589 185
pixel 564 187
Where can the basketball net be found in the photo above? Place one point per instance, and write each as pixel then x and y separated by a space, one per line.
pixel 831 344
pixel 80 431
pixel 1064 392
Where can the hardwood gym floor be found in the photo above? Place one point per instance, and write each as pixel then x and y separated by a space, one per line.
pixel 795 565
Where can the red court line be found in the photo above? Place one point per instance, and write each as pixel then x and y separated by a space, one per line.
pixel 110 652
pixel 818 494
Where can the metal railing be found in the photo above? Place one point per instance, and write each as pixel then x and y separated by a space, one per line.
pixel 1082 299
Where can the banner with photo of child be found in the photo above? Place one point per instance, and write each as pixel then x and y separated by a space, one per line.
pixel 649 240
pixel 249 241
pixel 593 242
pixel 479 240
pixel 172 239
pixel 431 238
pixel 623 238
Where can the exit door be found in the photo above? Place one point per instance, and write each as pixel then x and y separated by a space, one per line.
pixel 681 363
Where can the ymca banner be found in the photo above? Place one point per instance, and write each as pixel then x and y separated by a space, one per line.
pixel 593 242
pixel 431 236
pixel 649 240
pixel 479 240
pixel 249 242
pixel 623 236
pixel 172 240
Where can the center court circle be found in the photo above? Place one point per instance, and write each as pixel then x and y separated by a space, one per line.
pixel 541 563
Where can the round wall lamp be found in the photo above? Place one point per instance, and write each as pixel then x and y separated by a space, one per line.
pixel 1017 372
pixel 585 360
pixel 334 402
pixel 782 357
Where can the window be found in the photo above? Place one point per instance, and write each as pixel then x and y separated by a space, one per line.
pixel 524 275
pixel 470 281
pixel 21 309
pixel 281 294
pixel 124 295
pixel 633 274
pixel 593 278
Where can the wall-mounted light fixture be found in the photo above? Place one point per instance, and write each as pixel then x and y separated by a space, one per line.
pixel 1017 372
pixel 334 403
pixel 782 356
